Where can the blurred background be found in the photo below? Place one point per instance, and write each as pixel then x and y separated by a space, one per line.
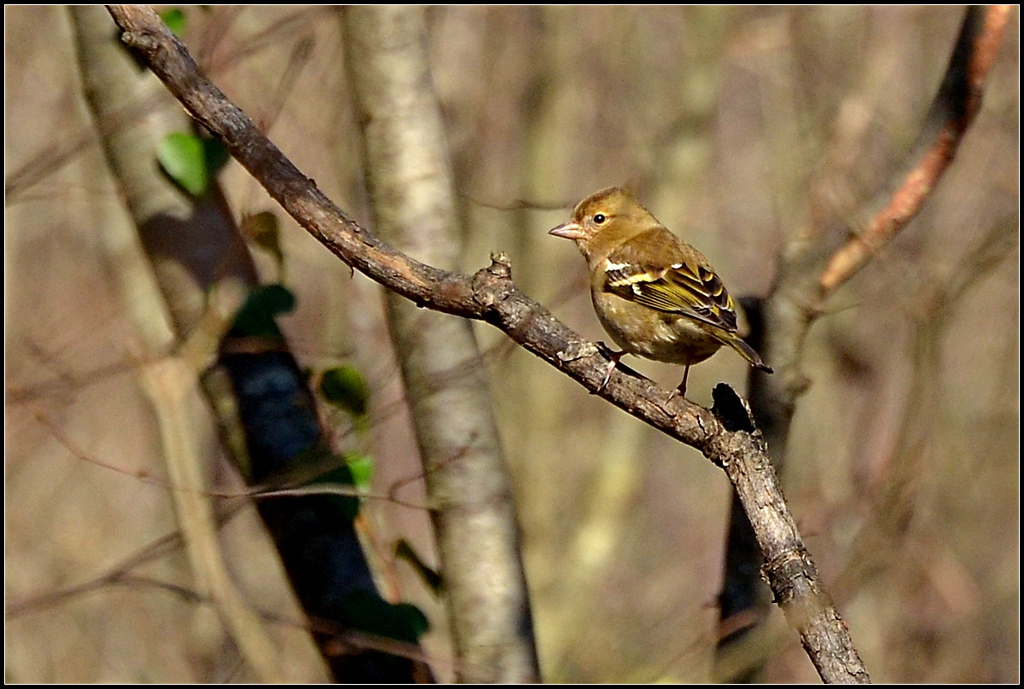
pixel 739 128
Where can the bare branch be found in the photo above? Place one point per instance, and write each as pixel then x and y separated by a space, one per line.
pixel 491 296
pixel 951 114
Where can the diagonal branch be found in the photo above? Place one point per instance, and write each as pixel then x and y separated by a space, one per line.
pixel 491 296
pixel 951 114
pixel 812 268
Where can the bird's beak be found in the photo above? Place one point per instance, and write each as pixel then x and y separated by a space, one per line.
pixel 569 230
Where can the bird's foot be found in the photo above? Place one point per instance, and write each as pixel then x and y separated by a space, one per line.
pixel 681 390
pixel 614 356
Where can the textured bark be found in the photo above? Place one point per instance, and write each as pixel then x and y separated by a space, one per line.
pixel 413 201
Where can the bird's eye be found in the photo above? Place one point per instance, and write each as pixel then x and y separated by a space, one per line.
pixel 599 218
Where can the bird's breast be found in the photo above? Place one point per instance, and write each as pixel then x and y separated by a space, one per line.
pixel 653 334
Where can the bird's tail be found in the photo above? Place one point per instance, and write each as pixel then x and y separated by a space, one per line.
pixel 748 353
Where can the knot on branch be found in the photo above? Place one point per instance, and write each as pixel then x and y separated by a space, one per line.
pixel 791 574
pixel 493 283
pixel 501 265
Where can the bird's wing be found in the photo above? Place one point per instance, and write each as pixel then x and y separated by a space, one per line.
pixel 672 283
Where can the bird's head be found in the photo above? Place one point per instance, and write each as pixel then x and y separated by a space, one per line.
pixel 604 220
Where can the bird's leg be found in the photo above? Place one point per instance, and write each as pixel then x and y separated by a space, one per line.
pixel 614 356
pixel 681 390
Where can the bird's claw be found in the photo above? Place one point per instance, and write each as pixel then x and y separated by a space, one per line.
pixel 614 356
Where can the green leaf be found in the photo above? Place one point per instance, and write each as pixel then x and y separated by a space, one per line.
pixel 361 466
pixel 348 505
pixel 183 158
pixel 192 161
pixel 340 474
pixel 345 388
pixel 216 156
pixel 429 575
pixel 369 612
pixel 264 231
pixel 174 18
pixel 256 317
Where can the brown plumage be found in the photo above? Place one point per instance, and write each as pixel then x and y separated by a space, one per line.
pixel 656 295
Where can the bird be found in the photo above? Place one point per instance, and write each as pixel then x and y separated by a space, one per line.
pixel 656 296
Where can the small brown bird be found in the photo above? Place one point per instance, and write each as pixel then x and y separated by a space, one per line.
pixel 656 295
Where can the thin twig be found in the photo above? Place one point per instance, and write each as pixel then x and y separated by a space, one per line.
pixel 955 106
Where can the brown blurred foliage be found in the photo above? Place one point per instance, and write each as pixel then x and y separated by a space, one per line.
pixel 739 128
